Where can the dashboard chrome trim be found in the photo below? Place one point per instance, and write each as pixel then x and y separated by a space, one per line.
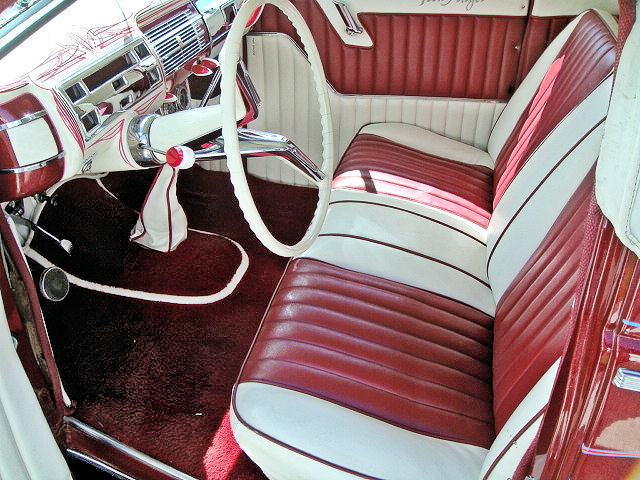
pixel 32 166
pixel 23 121
pixel 147 65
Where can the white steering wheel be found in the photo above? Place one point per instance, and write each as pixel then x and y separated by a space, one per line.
pixel 229 58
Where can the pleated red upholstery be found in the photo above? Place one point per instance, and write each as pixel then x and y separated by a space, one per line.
pixel 377 165
pixel 465 56
pixel 539 34
pixel 397 353
pixel 584 61
pixel 532 317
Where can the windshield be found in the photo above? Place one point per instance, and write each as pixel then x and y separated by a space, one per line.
pixel 10 9
pixel 21 18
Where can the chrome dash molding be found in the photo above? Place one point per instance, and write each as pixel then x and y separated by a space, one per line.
pixel 32 166
pixel 131 452
pixel 22 121
pixel 627 379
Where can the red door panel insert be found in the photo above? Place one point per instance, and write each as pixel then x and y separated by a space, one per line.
pixel 465 56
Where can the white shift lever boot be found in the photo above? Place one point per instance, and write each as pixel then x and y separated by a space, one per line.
pixel 162 224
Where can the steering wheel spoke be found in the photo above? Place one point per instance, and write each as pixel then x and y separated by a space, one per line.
pixel 254 143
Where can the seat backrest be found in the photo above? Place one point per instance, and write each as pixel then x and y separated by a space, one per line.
pixel 579 59
pixel 543 185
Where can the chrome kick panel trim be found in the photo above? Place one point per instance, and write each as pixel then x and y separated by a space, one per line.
pixel 131 452
pixel 22 121
pixel 98 464
pixel 627 379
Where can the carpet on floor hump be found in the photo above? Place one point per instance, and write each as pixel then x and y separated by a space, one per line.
pixel 155 375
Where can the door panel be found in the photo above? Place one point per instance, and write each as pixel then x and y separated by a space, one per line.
pixel 464 56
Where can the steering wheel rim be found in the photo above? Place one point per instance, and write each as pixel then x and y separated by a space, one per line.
pixel 229 58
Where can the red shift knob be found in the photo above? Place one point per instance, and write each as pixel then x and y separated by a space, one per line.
pixel 180 157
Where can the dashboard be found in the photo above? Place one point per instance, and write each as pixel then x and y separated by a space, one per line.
pixel 70 90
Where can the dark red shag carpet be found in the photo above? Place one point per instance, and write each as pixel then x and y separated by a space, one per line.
pixel 158 376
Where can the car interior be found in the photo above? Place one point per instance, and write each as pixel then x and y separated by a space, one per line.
pixel 321 239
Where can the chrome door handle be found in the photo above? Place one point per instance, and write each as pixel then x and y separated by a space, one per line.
pixel 350 23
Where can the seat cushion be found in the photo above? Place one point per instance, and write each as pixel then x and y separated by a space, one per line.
pixel 408 243
pixel 404 356
pixel 377 165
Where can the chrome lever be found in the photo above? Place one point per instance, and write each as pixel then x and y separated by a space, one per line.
pixel 257 143
pixel 350 23
pixel 254 143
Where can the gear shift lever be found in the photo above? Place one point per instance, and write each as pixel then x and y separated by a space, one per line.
pixel 162 224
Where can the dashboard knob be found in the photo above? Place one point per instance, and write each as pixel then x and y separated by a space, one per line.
pixel 210 63
pixel 170 98
pixel 200 70
pixel 181 157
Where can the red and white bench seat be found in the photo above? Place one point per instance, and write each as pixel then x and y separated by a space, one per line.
pixel 422 332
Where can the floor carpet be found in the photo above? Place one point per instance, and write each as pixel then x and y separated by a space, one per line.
pixel 158 376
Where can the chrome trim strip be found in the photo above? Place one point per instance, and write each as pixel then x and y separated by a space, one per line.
pixel 131 452
pixel 23 121
pixel 33 166
pixel 98 464
pixel 627 379
pixel 247 85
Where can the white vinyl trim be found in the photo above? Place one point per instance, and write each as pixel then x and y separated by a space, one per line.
pixel 157 297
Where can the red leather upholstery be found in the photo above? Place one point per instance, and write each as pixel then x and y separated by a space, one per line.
pixel 400 354
pixel 539 34
pixel 532 317
pixel 583 62
pixel 418 360
pixel 380 166
pixel 466 56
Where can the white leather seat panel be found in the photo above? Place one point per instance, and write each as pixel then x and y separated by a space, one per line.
pixel 359 237
pixel 407 231
pixel 426 141
pixel 401 267
pixel 434 213
pixel 342 437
